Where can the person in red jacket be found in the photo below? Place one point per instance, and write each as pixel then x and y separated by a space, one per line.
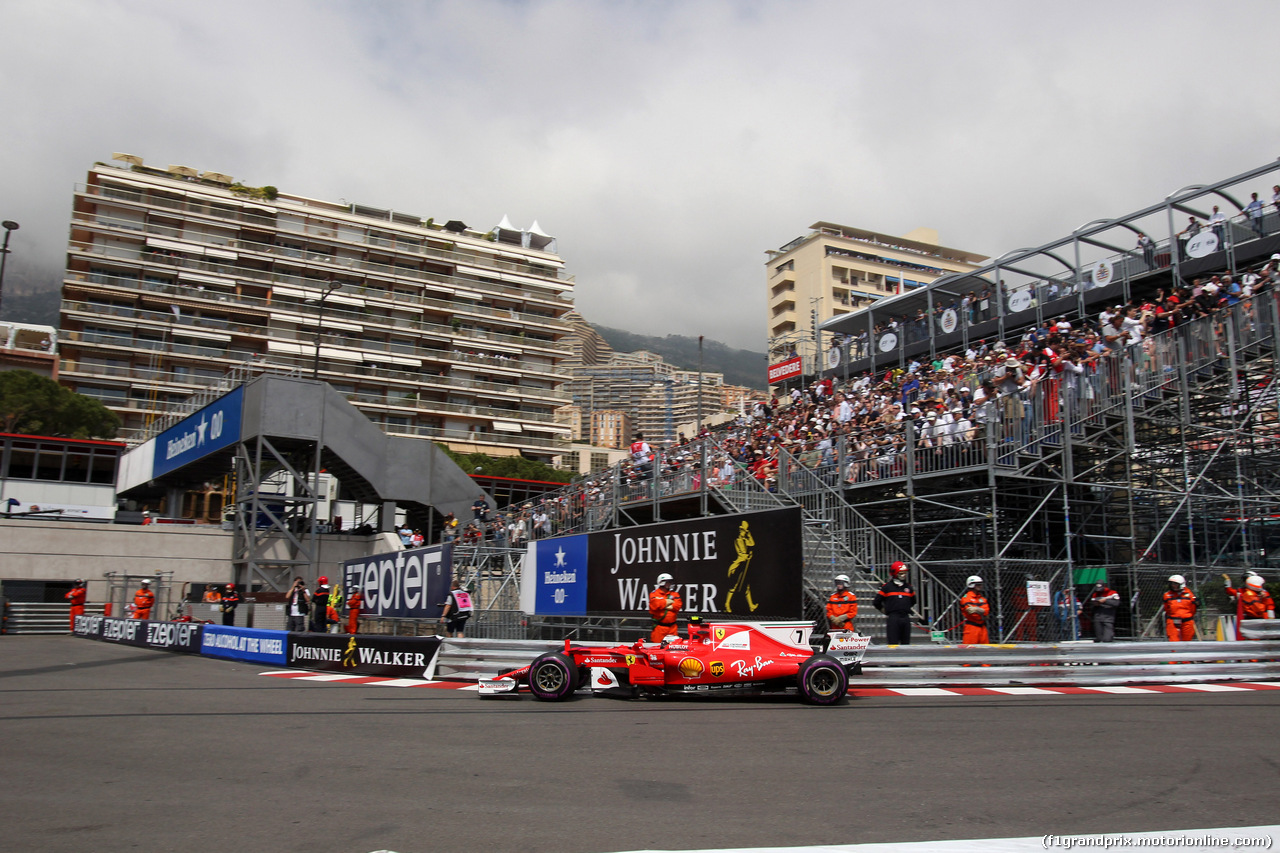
pixel 143 600
pixel 354 602
pixel 1179 611
pixel 664 607
pixel 76 596
pixel 975 608
pixel 842 606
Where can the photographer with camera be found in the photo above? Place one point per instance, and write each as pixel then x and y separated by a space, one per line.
pixel 297 604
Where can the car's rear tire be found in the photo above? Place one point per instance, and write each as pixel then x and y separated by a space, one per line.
pixel 822 680
pixel 553 677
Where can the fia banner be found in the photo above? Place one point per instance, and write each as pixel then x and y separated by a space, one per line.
pixel 410 584
pixel 249 644
pixel 747 565
pixel 365 654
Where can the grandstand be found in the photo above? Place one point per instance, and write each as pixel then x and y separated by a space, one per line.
pixel 1158 457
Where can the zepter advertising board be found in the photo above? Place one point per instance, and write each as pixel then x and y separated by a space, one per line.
pixel 408 584
pixel 748 566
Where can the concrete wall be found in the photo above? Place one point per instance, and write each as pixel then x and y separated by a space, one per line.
pixel 195 553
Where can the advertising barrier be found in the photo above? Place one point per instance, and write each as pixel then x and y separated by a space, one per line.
pixel 168 636
pixel 247 644
pixel 365 654
pixel 89 627
pixel 409 584
pixel 746 565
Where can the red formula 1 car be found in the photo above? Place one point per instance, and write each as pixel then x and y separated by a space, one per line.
pixel 717 659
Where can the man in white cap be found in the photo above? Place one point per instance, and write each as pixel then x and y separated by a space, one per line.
pixel 143 600
pixel 665 605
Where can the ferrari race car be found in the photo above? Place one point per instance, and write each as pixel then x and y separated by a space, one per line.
pixel 717 659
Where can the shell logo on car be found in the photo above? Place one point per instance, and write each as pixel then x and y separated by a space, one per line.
pixel 690 667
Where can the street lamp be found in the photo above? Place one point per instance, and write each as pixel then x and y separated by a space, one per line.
pixel 9 227
pixel 315 365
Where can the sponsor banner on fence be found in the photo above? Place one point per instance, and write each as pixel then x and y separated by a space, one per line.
pixel 212 428
pixel 364 654
pixel 408 584
pixel 89 626
pixel 249 644
pixel 747 565
pixel 784 370
pixel 169 636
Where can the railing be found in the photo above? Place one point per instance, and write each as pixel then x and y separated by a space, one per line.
pixel 300 307
pixel 331 232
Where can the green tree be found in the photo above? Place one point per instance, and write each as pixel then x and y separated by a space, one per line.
pixel 31 404
pixel 516 467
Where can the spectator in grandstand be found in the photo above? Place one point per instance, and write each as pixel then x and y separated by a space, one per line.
pixel 1186 235
pixel 297 603
pixel 541 523
pixel 1255 211
pixel 449 528
pixel 1218 222
pixel 480 510
pixel 1148 249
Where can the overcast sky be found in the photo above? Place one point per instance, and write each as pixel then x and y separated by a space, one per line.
pixel 666 145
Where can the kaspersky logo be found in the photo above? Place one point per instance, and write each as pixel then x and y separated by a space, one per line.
pixel 716 668
pixel 349 655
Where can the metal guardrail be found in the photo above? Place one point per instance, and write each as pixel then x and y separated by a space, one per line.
pixel 29 617
pixel 1071 664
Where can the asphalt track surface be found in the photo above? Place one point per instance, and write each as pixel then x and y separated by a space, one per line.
pixel 109 747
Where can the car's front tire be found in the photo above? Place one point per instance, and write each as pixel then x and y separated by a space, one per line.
pixel 553 677
pixel 822 680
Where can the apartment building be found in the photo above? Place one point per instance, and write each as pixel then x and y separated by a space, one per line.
pixel 431 329
pixel 836 269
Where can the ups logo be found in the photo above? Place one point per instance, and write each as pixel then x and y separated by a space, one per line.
pixel 719 634
pixel 716 668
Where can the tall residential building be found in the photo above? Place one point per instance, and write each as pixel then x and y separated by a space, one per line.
pixel 433 330
pixel 835 269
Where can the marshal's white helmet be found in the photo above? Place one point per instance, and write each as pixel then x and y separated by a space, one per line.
pixel 842 580
pixel 1251 574
pixel 665 578
pixel 1254 582
pixel 1178 579
pixel 973 579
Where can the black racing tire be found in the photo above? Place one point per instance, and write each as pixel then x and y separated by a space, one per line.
pixel 553 677
pixel 822 680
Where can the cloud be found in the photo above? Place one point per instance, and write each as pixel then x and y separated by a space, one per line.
pixel 666 145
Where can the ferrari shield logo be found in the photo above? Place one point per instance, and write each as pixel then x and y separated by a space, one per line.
pixel 716 668
pixel 719 634
pixel 631 660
